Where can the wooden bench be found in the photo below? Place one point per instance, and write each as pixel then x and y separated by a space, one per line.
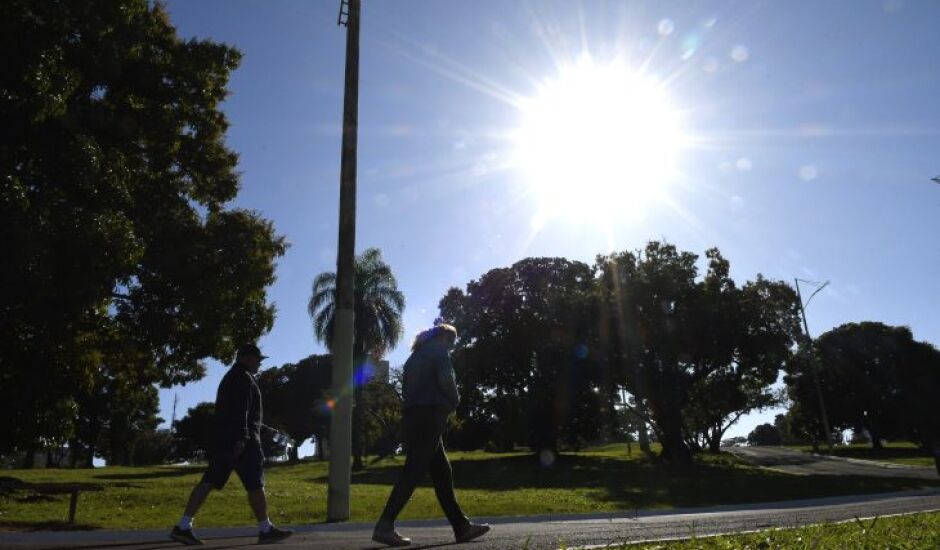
pixel 71 489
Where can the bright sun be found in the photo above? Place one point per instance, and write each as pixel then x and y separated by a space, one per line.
pixel 598 140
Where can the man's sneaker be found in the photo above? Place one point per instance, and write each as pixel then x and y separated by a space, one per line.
pixel 274 535
pixel 390 538
pixel 472 531
pixel 185 536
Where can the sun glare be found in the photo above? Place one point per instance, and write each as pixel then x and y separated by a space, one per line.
pixel 598 140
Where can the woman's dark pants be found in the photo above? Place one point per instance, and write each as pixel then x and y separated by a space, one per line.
pixel 424 426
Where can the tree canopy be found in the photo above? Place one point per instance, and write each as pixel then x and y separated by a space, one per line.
pixel 122 259
pixel 295 397
pixel 874 377
pixel 523 357
pixel 546 345
pixel 699 351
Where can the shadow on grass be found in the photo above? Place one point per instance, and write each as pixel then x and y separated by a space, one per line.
pixel 711 480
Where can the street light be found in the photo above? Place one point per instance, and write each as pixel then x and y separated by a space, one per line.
pixel 812 356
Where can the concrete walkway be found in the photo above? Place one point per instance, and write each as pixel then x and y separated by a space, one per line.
pixel 532 533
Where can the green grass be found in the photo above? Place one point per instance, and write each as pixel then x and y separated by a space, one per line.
pixel 511 484
pixel 896 452
pixel 910 532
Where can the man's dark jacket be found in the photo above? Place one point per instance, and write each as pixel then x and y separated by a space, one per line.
pixel 237 409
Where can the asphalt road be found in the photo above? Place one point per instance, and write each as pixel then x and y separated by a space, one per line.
pixel 798 462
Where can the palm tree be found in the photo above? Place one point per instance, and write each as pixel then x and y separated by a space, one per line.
pixel 378 309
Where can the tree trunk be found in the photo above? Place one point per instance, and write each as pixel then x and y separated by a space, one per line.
pixel 323 448
pixel 90 456
pixel 933 445
pixel 129 457
pixel 74 447
pixel 643 438
pixel 29 458
pixel 714 442
pixel 95 433
pixel 294 452
pixel 675 449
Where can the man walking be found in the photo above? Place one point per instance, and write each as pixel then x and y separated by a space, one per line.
pixel 430 395
pixel 237 447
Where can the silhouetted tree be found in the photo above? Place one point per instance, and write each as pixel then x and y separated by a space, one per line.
pixel 382 416
pixel 153 447
pixel 132 411
pixel 919 382
pixel 120 251
pixel 764 435
pixel 295 399
pixel 698 353
pixel 195 433
pixel 525 359
pixel 861 367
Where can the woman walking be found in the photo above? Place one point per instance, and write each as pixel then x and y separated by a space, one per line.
pixel 429 391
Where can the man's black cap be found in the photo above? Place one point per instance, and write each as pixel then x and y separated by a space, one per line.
pixel 250 349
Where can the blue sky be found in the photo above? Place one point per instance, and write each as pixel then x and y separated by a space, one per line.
pixel 810 133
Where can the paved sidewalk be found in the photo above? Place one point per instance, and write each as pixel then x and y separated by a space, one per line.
pixel 533 533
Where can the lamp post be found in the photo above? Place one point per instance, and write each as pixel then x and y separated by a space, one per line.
pixel 812 359
pixel 337 504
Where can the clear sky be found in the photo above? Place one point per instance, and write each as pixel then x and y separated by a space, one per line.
pixel 798 137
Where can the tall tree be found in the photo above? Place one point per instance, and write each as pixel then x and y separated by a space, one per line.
pixel 378 327
pixel 382 418
pixel 698 352
pixel 871 375
pixel 120 251
pixel 764 435
pixel 295 396
pixel 524 356
pixel 920 385
pixel 194 434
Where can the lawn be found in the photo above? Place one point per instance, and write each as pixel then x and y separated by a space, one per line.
pixel 910 532
pixel 511 484
pixel 896 452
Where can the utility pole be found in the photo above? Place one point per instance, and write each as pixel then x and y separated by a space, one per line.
pixel 337 504
pixel 173 421
pixel 812 361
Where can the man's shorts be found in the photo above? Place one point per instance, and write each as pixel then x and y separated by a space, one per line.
pixel 249 466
